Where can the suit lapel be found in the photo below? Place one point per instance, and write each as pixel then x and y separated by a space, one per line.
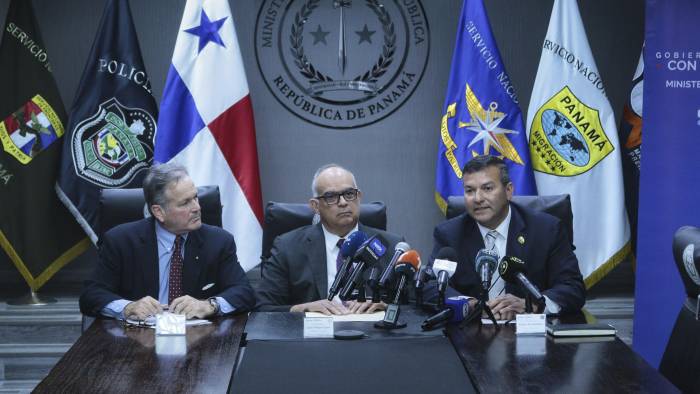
pixel 517 239
pixel 473 242
pixel 149 266
pixel 192 266
pixel 316 245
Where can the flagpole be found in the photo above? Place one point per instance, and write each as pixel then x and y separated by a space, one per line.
pixel 32 298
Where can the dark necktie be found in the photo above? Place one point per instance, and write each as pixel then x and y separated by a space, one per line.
pixel 175 277
pixel 339 258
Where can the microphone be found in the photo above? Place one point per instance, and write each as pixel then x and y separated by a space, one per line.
pixel 445 266
pixel 347 251
pixel 406 266
pixel 513 270
pixel 486 262
pixel 399 249
pixel 368 254
pixel 457 308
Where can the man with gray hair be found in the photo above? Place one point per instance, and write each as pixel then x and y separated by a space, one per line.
pixel 168 260
pixel 303 262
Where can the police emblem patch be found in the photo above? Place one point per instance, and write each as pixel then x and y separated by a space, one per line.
pixel 567 137
pixel 114 144
pixel 343 63
pixel 30 130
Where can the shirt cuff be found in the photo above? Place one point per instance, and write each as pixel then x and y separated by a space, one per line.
pixel 224 307
pixel 550 307
pixel 115 309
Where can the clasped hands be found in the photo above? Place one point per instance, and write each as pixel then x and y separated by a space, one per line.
pixel 334 308
pixel 191 307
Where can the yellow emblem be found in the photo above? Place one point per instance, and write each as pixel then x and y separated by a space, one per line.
pixel 485 123
pixel 30 130
pixel 567 138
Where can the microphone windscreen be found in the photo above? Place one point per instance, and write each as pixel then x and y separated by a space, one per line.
pixel 509 267
pixel 486 257
pixel 403 246
pixel 352 243
pixel 447 253
pixel 459 306
pixel 408 261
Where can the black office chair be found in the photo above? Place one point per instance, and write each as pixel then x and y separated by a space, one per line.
pixel 558 206
pixel 118 206
pixel 682 356
pixel 283 217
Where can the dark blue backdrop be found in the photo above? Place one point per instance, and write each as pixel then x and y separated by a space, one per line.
pixel 669 172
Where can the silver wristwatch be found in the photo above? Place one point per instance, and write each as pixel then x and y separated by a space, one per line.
pixel 215 303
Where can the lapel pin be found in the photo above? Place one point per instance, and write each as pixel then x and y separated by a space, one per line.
pixel 521 240
pixel 196 257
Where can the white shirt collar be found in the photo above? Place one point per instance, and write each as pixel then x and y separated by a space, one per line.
pixel 501 229
pixel 332 239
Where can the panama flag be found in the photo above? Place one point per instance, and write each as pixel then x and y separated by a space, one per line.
pixel 574 143
pixel 206 120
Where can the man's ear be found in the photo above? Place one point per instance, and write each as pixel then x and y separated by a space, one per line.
pixel 313 204
pixel 158 212
pixel 510 189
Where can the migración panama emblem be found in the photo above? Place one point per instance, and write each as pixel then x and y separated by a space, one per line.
pixel 567 138
pixel 30 130
pixel 342 63
pixel 114 144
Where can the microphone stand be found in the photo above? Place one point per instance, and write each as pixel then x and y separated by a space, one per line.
pixel 479 309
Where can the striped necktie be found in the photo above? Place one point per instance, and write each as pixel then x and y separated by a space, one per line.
pixel 496 285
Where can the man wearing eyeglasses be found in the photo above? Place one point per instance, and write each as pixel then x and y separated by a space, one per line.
pixel 303 262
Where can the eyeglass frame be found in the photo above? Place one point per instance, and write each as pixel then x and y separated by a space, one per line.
pixel 354 191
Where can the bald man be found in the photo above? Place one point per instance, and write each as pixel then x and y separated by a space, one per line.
pixel 302 264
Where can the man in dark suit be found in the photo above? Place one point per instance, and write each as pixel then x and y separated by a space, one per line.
pixel 302 264
pixel 494 223
pixel 170 259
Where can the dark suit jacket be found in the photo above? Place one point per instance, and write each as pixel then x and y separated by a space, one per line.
pixel 128 267
pixel 546 251
pixel 296 271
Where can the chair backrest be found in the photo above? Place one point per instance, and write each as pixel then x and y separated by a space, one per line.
pixel 558 206
pixel 283 217
pixel 119 206
pixel 686 253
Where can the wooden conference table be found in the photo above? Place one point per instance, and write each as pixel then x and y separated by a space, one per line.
pixel 272 353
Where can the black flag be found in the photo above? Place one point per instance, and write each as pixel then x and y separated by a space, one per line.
pixel 112 124
pixel 36 231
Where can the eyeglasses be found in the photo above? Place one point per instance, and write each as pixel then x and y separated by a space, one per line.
pixel 332 198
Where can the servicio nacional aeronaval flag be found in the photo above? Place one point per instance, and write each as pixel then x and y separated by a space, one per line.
pixel 481 115
pixel 574 143
pixel 206 120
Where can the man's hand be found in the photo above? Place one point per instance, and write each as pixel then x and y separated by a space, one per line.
pixel 141 309
pixel 324 306
pixel 191 307
pixel 506 306
pixel 365 307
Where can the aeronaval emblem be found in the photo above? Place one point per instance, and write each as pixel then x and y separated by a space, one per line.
pixel 30 130
pixel 567 138
pixel 342 63
pixel 484 122
pixel 114 144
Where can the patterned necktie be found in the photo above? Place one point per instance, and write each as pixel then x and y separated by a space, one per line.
pixel 175 277
pixel 339 258
pixel 490 243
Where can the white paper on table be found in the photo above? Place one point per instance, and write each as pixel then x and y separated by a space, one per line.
pixel 488 321
pixel 376 316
